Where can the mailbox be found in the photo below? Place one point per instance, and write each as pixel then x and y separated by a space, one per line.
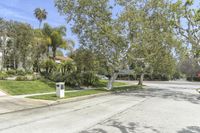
pixel 60 89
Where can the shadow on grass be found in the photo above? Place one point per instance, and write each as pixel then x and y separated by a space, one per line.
pixel 48 82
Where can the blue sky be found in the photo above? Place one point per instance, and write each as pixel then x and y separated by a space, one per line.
pixel 22 10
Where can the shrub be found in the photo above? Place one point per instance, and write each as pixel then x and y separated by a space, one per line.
pixel 89 78
pixel 56 77
pixel 73 79
pixel 20 72
pixel 21 78
pixel 48 66
pixel 193 78
pixel 3 75
pixel 11 72
pixel 70 79
pixel 67 67
pixel 31 77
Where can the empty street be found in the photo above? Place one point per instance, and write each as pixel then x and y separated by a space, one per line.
pixel 162 107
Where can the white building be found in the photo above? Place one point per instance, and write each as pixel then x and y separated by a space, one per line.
pixel 3 43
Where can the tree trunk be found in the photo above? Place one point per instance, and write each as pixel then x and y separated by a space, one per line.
pixel 40 22
pixel 14 63
pixel 192 78
pixel 54 53
pixel 48 51
pixel 141 79
pixel 111 80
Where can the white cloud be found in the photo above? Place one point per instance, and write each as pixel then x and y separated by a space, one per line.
pixel 9 14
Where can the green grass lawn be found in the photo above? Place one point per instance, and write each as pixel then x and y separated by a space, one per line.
pixel 86 92
pixel 69 94
pixel 103 83
pixel 26 87
pixel 33 87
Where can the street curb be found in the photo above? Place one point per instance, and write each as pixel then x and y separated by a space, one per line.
pixel 69 100
pixel 63 101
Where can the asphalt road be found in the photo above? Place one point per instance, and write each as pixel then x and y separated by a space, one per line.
pixel 160 108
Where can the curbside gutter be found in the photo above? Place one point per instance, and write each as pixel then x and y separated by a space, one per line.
pixel 68 100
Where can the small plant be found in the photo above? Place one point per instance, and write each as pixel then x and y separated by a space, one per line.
pixel 47 66
pixel 3 75
pixel 20 72
pixel 11 72
pixel 21 78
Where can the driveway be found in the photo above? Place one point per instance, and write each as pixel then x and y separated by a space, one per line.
pixel 163 107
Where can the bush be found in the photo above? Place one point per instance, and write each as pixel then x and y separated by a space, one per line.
pixel 193 79
pixel 57 77
pixel 70 79
pixel 3 75
pixel 20 72
pixel 21 78
pixel 89 78
pixel 11 72
pixel 73 79
pixel 47 66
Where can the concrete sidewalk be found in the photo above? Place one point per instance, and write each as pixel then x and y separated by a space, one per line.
pixel 37 94
pixel 2 93
pixel 10 104
pixel 16 103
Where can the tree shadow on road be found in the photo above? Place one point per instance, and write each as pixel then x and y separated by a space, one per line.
pixel 166 94
pixel 121 128
pixel 190 129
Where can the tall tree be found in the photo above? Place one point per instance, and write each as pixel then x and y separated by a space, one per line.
pixel 98 31
pixel 55 38
pixel 56 42
pixel 39 48
pixel 70 46
pixel 186 17
pixel 20 36
pixel 140 32
pixel 150 34
pixel 40 14
pixel 47 30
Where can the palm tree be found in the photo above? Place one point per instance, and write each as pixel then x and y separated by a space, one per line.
pixel 47 30
pixel 40 14
pixel 70 46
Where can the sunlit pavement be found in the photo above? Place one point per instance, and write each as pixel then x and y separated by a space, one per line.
pixel 2 93
pixel 10 104
pixel 163 107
